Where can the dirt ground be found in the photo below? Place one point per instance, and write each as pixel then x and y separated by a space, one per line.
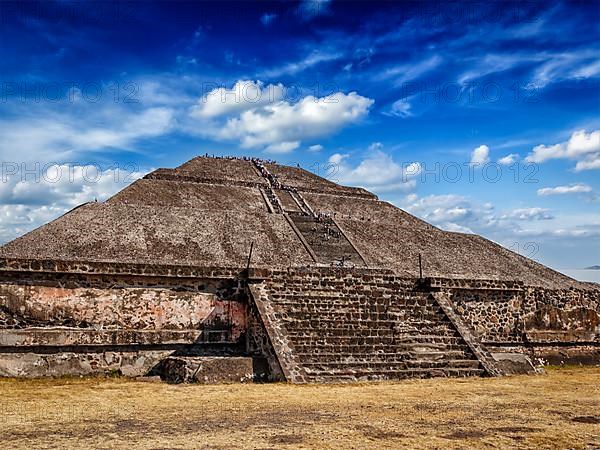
pixel 560 409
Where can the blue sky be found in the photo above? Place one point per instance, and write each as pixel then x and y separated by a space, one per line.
pixel 478 117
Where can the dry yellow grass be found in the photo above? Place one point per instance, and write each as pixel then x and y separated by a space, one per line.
pixel 558 410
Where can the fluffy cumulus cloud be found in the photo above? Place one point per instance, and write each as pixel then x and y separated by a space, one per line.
pixel 377 172
pixel 582 147
pixel 243 96
pixel 448 211
pixel 462 214
pixel 579 188
pixel 270 121
pixel 481 155
pixel 33 195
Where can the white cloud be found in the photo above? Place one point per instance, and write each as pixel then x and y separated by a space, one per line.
pixel 315 148
pixel 377 172
pixel 562 190
pixel 493 63
pixel 449 212
pixel 30 200
pixel 62 136
pixel 508 159
pixel 453 212
pixel 551 67
pixel 588 164
pixel 566 66
pixel 314 58
pixel 535 213
pixel 337 158
pixel 400 108
pixel 587 71
pixel 582 146
pixel 407 72
pixel 525 230
pixel 284 122
pixel 375 146
pixel 481 155
pixel 244 95
pixel 282 147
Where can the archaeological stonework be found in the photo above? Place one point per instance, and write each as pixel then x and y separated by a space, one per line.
pixel 233 270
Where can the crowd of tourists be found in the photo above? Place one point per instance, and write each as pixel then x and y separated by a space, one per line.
pixel 241 158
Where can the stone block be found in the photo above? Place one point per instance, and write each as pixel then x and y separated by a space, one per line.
pixel 207 370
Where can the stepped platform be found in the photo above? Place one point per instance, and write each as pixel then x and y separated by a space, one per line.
pixel 243 258
pixel 359 328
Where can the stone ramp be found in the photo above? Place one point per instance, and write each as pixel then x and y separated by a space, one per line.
pixel 359 327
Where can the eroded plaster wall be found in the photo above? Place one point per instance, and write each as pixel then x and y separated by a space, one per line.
pixel 118 308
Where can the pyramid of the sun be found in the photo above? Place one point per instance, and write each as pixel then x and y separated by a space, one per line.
pixel 243 268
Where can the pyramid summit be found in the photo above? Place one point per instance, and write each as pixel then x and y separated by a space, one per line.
pixel 239 263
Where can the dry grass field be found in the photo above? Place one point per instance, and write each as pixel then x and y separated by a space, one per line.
pixel 560 409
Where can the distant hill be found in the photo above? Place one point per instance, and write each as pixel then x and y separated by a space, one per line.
pixel 593 268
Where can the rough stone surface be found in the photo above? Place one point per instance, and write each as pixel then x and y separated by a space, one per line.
pixel 76 363
pixel 513 363
pixel 207 370
pixel 330 292
pixel 328 326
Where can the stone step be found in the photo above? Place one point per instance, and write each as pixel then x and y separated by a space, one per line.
pixel 343 292
pixel 321 323
pixel 392 365
pixel 323 331
pixel 329 319
pixel 376 344
pixel 387 304
pixel 342 307
pixel 356 333
pixel 385 352
pixel 351 375
pixel 371 337
pixel 397 356
pixel 367 328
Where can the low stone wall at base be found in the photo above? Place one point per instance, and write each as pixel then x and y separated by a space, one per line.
pixel 62 351
pixel 557 354
pixel 34 365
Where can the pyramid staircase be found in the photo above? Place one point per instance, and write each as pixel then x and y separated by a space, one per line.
pixel 322 236
pixel 329 244
pixel 358 329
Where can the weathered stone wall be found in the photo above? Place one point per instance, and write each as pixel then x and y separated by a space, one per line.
pixel 132 363
pixel 59 318
pixel 494 314
pixel 319 323
pixel 527 315
pixel 122 308
pixel 260 345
